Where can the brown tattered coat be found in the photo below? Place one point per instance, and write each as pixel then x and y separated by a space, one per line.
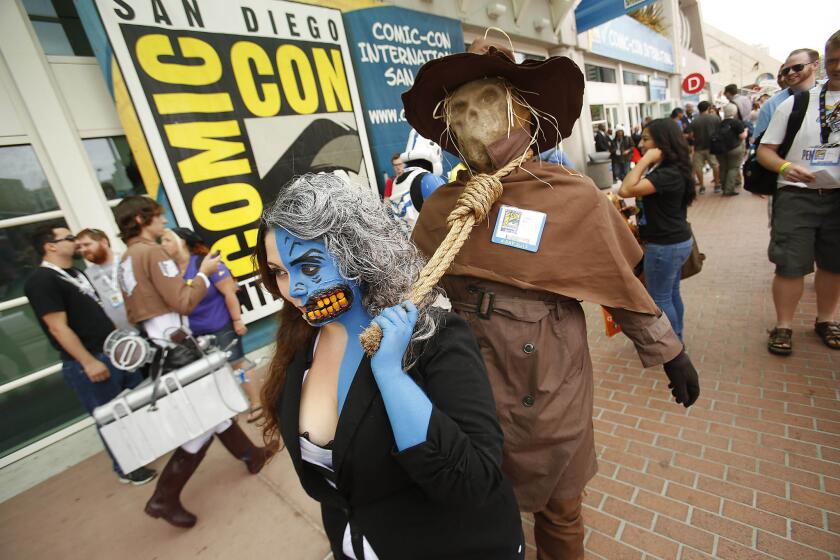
pixel 534 343
pixel 152 285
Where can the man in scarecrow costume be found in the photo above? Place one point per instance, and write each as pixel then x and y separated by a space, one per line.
pixel 549 240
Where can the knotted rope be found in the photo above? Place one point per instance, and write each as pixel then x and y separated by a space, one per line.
pixel 480 192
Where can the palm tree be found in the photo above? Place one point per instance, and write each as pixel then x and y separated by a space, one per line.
pixel 650 16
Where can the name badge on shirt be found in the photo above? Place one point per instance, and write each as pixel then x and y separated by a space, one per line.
pixel 822 155
pixel 116 300
pixel 519 228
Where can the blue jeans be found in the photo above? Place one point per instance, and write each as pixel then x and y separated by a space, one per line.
pixel 92 394
pixel 620 169
pixel 662 277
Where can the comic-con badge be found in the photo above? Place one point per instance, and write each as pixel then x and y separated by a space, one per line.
pixel 116 300
pixel 519 228
pixel 822 155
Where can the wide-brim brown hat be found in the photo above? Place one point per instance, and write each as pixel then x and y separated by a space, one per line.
pixel 553 86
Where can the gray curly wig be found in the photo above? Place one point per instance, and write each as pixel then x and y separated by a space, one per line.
pixel 365 241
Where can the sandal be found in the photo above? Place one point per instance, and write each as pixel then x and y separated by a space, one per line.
pixel 254 414
pixel 780 341
pixel 829 332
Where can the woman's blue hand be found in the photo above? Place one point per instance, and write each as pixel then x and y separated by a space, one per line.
pixel 397 324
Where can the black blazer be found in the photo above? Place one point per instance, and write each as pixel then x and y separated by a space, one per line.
pixel 444 498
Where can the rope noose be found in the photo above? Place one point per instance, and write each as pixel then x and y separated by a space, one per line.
pixel 480 192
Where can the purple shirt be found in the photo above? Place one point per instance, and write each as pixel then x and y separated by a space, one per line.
pixel 211 314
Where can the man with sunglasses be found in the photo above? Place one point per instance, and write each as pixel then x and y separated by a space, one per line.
pixel 798 73
pixel 68 310
pixel 805 225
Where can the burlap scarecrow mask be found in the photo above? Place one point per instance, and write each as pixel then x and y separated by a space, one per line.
pixel 467 101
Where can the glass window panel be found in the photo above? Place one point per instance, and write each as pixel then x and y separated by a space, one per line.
pixel 597 112
pixel 114 165
pixel 40 8
pixel 24 348
pixel 634 78
pixel 52 37
pixel 36 410
pixel 19 257
pixel 599 74
pixel 24 189
pixel 58 27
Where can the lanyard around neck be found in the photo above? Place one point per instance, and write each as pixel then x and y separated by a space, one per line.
pixel 81 281
pixel 826 120
pixel 115 273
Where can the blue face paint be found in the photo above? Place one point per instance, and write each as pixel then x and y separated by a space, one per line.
pixel 315 281
pixel 316 285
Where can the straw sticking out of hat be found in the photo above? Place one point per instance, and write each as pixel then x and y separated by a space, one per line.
pixel 553 88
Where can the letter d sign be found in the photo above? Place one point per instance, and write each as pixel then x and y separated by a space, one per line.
pixel 693 83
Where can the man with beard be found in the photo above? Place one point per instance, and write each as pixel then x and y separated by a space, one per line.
pixel 69 312
pixel 102 271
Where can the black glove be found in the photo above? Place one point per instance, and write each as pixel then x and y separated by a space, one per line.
pixel 684 382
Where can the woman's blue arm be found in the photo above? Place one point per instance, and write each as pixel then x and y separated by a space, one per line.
pixel 408 407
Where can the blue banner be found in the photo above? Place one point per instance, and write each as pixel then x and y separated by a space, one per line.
pixel 626 39
pixel 590 13
pixel 388 46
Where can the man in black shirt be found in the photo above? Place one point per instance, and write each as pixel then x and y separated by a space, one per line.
pixel 69 312
pixel 602 140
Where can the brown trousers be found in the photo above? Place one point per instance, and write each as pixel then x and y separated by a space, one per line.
pixel 558 530
pixel 534 347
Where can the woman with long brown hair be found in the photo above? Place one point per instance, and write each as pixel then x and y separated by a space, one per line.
pixel 663 186
pixel 402 450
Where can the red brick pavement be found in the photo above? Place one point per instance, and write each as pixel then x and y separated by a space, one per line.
pixel 752 470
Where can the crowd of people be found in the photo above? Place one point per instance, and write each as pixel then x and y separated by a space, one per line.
pixel 429 441
pixel 150 288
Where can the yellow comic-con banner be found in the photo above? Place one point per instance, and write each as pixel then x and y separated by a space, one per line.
pixel 235 97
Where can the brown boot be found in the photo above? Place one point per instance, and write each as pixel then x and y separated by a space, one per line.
pixel 235 441
pixel 166 501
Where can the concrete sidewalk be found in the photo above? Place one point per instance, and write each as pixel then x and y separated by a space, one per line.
pixel 86 513
pixel 752 471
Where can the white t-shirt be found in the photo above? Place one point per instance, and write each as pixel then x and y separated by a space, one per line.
pixel 806 150
pixel 104 279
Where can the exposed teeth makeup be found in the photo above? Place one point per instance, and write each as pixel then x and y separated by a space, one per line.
pixel 315 284
pixel 326 305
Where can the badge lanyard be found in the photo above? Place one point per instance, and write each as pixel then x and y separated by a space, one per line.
pixel 826 121
pixel 115 272
pixel 81 282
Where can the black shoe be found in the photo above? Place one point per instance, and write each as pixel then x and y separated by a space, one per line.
pixel 717 189
pixel 138 477
pixel 702 190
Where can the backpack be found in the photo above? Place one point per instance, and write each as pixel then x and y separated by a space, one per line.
pixel 724 139
pixel 759 180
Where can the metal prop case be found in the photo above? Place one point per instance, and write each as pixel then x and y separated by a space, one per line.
pixel 190 401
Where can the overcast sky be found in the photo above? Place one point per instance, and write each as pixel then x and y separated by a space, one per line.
pixel 780 25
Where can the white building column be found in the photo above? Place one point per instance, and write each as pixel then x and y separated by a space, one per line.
pixel 622 106
pixel 76 186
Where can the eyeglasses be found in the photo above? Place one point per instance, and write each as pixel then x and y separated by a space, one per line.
pixel 794 68
pixel 65 238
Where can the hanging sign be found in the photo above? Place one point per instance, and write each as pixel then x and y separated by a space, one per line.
pixel 693 83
